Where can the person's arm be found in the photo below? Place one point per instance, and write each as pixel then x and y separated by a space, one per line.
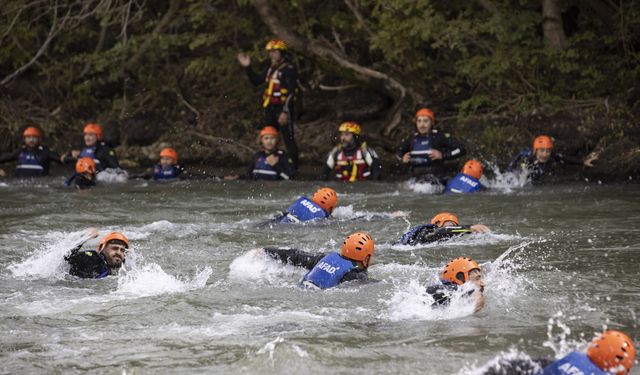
pixel 452 148
pixel 289 82
pixel 51 155
pixel 356 274
pixel 108 157
pixel 256 79
pixel 403 149
pixel 248 175
pixel 10 156
pixel 515 164
pixel 294 257
pixel 374 164
pixel 565 159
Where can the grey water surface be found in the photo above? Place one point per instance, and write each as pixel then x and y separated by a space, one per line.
pixel 195 298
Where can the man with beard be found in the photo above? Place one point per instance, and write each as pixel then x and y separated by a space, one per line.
pixel 352 160
pixel 105 261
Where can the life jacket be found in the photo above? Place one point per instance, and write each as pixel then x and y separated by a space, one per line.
pixel 90 152
pixel 304 209
pixel 420 145
pixel 165 174
pixel 463 183
pixel 262 170
pixel 574 363
pixel 28 164
pixel 353 167
pixel 274 94
pixel 328 272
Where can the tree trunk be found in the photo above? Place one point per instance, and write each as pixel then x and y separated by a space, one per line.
pixel 552 25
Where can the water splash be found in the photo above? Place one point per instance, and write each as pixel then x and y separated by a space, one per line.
pixel 560 342
pixel 500 364
pixel 151 280
pixel 505 182
pixel 423 187
pixel 348 213
pixel 112 175
pixel 255 265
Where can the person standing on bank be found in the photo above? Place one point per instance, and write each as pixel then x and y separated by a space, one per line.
pixel 281 80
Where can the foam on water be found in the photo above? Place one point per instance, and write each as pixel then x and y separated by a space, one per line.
pixel 255 265
pixel 151 280
pixel 348 213
pixel 423 187
pixel 500 361
pixel 505 182
pixel 112 175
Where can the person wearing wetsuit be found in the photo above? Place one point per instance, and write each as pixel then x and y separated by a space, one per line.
pixel 319 207
pixel 85 176
pixel 443 226
pixel 96 264
pixel 281 80
pixel 426 151
pixel 610 352
pixel 540 161
pixel 468 180
pixel 352 160
pixel 329 270
pixel 33 158
pixel 455 274
pixel 270 163
pixel 94 147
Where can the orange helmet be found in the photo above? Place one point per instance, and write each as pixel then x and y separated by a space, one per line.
pixel 113 236
pixel 276 44
pixel 325 198
pixel 426 112
pixel 170 153
pixel 473 168
pixel 542 141
pixel 85 165
pixel 457 270
pixel 351 127
pixel 611 351
pixel 443 217
pixel 358 246
pixel 32 131
pixel 269 130
pixel 95 129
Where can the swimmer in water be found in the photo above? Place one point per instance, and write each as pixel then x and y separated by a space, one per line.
pixel 443 226
pixel 96 264
pixel 319 207
pixel 455 274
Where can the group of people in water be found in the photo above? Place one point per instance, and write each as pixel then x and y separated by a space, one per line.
pixel 351 160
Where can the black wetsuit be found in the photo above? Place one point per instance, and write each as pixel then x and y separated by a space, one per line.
pixel 420 165
pixel 40 157
pixel 281 99
pixel 518 367
pixel 429 233
pixel 307 260
pixel 104 153
pixel 80 182
pixel 526 160
pixel 87 264
pixel 259 169
pixel 441 293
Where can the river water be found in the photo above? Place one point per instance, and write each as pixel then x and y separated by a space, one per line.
pixel 560 264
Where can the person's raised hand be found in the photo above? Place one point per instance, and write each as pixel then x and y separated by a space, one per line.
pixel 244 59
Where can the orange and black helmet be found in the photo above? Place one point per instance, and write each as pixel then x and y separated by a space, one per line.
pixel 85 165
pixel 276 44
pixel 95 129
pixel 443 217
pixel 542 141
pixel 325 198
pixel 426 112
pixel 612 351
pixel 359 247
pixel 269 130
pixel 32 131
pixel 113 237
pixel 473 168
pixel 457 270
pixel 351 127
pixel 169 153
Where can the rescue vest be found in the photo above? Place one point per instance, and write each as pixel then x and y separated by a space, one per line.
pixel 304 209
pixel 90 152
pixel 274 94
pixel 574 363
pixel 419 150
pixel 352 167
pixel 262 170
pixel 328 272
pixel 28 164
pixel 169 173
pixel 463 183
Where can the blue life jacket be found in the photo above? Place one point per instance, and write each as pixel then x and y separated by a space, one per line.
pixel 574 363
pixel 328 272
pixel 304 209
pixel 463 183
pixel 419 147
pixel 262 170
pixel 406 238
pixel 28 163
pixel 90 152
pixel 169 173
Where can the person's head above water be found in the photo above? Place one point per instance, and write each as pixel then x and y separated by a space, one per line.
pixel 86 167
pixel 358 247
pixel 473 168
pixel 425 120
pixel 168 157
pixel 445 219
pixel 462 269
pixel 542 147
pixel 92 134
pixel 113 248
pixel 612 351
pixel 325 198
pixel 349 132
pixel 31 136
pixel 269 137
